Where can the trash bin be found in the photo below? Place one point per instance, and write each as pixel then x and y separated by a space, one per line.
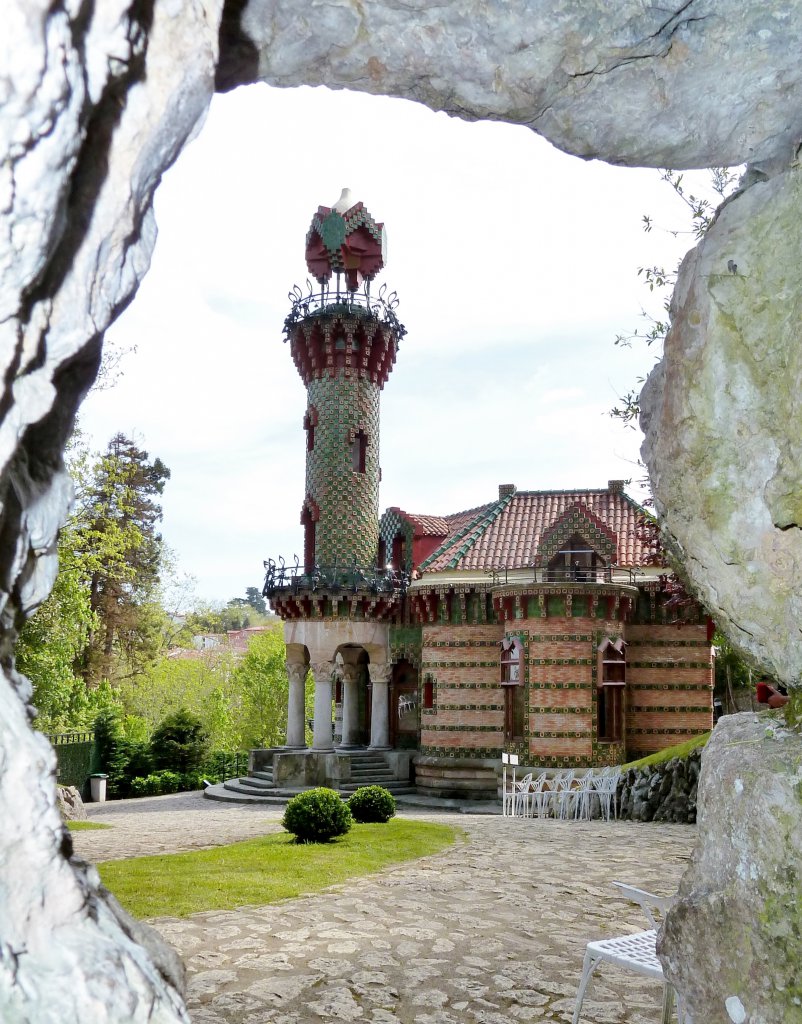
pixel 97 787
pixel 718 710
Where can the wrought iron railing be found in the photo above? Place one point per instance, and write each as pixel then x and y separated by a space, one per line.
pixel 381 307
pixel 281 578
pixel 568 574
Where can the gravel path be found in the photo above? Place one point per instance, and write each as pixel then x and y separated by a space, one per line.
pixel 491 931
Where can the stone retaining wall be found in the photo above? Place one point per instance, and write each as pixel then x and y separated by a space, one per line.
pixel 663 792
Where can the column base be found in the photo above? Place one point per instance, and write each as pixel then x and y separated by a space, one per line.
pixel 295 746
pixel 380 746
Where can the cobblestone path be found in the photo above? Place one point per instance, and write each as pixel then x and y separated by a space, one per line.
pixel 490 931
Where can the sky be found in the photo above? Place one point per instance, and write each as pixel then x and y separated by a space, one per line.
pixel 515 267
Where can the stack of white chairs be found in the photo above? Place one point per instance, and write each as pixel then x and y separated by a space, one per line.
pixel 564 795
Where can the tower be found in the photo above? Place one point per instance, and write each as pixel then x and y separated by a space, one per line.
pixel 337 606
pixel 344 344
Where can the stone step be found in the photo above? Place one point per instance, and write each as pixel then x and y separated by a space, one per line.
pixel 252 783
pixel 371 773
pixel 266 774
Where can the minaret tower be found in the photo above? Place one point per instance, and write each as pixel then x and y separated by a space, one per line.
pixel 337 606
pixel 344 347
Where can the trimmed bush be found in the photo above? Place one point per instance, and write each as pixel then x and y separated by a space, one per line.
pixel 156 784
pixel 192 780
pixel 179 743
pixel 371 804
pixel 317 816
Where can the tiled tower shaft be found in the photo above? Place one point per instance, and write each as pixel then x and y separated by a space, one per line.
pixel 344 357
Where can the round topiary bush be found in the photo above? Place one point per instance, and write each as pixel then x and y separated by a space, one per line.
pixel 317 816
pixel 372 803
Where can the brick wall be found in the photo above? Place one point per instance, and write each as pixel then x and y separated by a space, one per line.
pixel 468 713
pixel 669 686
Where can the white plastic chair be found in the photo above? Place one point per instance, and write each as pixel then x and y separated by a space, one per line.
pixel 580 796
pixel 535 796
pixel 561 793
pixel 634 952
pixel 606 787
pixel 520 796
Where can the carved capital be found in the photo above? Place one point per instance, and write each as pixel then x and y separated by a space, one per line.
pixel 380 673
pixel 322 670
pixel 297 672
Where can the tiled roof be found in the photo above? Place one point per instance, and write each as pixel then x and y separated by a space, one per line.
pixel 507 533
pixel 439 526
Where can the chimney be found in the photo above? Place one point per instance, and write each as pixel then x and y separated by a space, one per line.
pixel 504 490
pixel 616 486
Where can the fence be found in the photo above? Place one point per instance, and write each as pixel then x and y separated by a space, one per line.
pixel 227 766
pixel 73 756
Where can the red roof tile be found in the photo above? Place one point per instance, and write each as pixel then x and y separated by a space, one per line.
pixel 507 533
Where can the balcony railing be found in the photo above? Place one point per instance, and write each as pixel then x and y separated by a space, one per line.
pixel 381 307
pixel 281 579
pixel 568 574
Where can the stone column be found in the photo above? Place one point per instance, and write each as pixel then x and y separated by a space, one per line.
pixel 380 706
pixel 350 677
pixel 322 732
pixel 296 732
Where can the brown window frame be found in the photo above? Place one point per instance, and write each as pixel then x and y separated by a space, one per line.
pixel 512 679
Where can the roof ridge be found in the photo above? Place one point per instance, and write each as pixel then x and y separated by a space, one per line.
pixel 487 515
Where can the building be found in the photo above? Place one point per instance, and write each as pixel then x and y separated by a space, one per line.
pixel 541 623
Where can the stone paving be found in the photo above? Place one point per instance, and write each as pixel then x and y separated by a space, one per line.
pixel 490 931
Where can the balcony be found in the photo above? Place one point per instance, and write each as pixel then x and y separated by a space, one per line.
pixel 282 580
pixel 576 574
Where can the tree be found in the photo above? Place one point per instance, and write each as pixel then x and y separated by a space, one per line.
pixel 122 552
pixel 261 679
pixel 254 598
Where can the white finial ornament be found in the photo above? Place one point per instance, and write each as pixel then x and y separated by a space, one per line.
pixel 345 202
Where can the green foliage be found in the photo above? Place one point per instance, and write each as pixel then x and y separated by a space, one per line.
pixel 201 683
pixel 179 743
pixel 372 803
pixel 317 816
pixel 680 750
pixel 266 870
pixel 260 680
pixel 121 553
pixel 157 783
pixel 112 752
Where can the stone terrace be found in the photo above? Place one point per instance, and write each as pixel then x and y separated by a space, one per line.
pixel 491 931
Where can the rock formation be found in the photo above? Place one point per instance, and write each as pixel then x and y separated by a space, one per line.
pixel 733 942
pixel 97 101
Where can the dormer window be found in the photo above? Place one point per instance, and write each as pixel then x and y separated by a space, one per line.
pixel 512 679
pixel 576 561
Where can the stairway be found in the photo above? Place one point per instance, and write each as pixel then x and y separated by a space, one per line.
pixel 370 769
pixel 367 769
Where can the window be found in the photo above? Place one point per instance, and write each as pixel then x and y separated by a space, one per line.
pixel 310 422
pixel 612 677
pixel 400 552
pixel 428 692
pixel 576 561
pixel 514 690
pixel 308 524
pixel 359 448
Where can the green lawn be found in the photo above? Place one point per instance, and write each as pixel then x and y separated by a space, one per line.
pixel 265 870
pixel 85 826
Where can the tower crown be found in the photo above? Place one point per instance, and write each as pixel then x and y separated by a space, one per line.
pixel 345 239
